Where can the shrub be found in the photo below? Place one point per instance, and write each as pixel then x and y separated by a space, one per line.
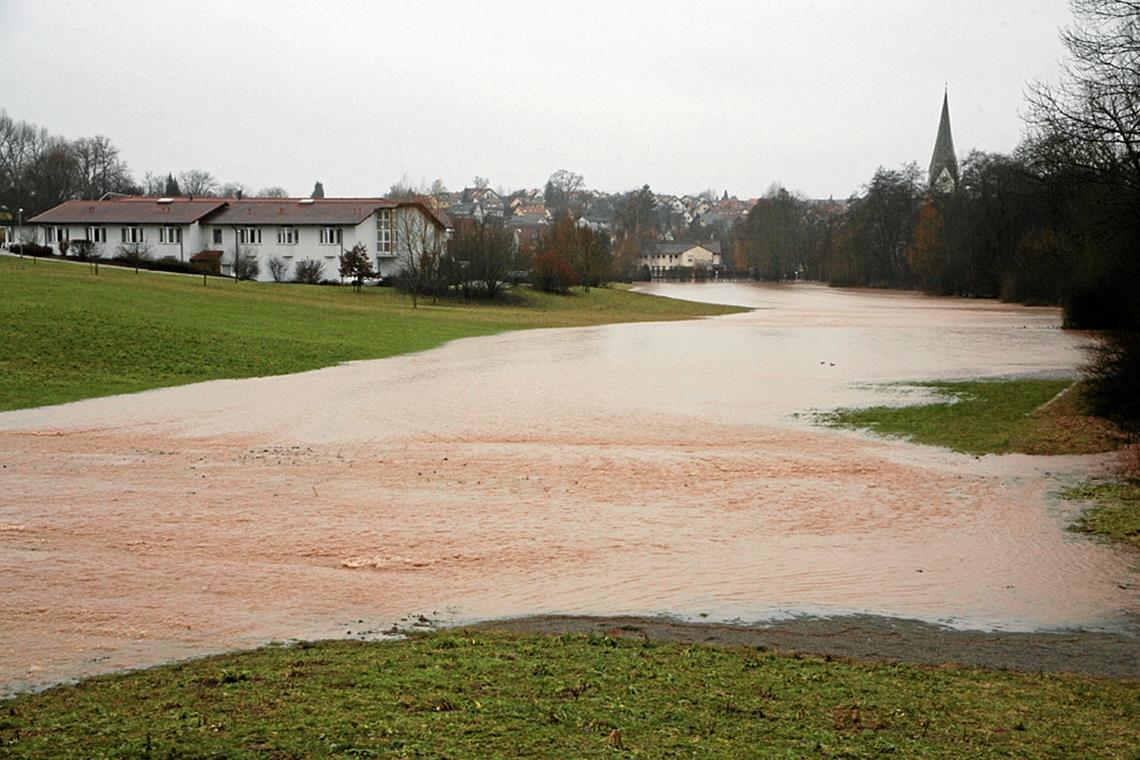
pixel 172 264
pixel 1114 379
pixel 31 249
pixel 552 273
pixel 248 267
pixel 278 268
pixel 83 249
pixel 308 271
pixel 134 254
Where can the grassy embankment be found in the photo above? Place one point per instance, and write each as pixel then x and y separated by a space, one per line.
pixel 69 334
pixel 1023 415
pixel 497 695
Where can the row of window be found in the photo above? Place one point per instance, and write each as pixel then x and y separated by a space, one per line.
pixel 246 235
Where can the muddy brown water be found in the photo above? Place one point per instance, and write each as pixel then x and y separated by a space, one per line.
pixel 627 469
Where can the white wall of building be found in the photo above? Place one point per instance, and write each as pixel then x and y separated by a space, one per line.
pixel 696 256
pixel 409 227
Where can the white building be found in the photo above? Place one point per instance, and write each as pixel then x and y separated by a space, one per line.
pixel 289 229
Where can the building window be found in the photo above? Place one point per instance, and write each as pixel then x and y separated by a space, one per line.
pixel 287 236
pixel 132 234
pixel 384 231
pixel 97 234
pixel 170 235
pixel 217 237
pixel 56 234
pixel 330 236
pixel 249 235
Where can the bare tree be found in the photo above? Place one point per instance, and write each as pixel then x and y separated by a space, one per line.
pixel 561 187
pixel 21 143
pixel 406 189
pixel 153 185
pixel 483 256
pixel 274 191
pixel 1091 120
pixel 420 248
pixel 233 190
pixel 101 171
pixel 197 182
pixel 135 253
pixel 245 264
pixel 278 268
pixel 53 175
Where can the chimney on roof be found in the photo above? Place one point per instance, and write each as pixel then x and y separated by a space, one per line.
pixel 239 194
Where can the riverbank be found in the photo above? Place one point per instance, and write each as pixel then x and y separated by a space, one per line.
pixel 1043 416
pixel 71 335
pixel 463 693
pixel 872 638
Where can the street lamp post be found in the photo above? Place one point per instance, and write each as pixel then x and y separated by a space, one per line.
pixel 20 227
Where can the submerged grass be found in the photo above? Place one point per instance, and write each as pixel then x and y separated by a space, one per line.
pixel 69 334
pixel 463 695
pixel 1115 510
pixel 1029 416
pixel 1024 415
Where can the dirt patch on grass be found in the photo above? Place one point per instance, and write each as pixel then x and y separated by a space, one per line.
pixel 1063 426
pixel 870 637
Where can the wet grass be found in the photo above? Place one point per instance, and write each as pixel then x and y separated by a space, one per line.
pixel 1115 510
pixel 462 695
pixel 69 334
pixel 992 417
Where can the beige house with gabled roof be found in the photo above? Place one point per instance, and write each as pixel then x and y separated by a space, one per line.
pixel 662 257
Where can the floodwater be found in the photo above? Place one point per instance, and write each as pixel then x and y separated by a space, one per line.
pixel 645 468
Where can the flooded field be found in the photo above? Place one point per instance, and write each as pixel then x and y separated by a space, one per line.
pixel 647 468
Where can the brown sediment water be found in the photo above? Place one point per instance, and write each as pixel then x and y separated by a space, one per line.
pixel 643 468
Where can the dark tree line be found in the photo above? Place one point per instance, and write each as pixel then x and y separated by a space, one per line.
pixel 1055 222
pixel 39 170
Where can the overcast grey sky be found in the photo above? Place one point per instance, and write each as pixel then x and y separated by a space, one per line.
pixel 681 95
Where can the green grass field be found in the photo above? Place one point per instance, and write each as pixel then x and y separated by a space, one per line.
pixel 69 334
pixel 463 695
pixel 991 417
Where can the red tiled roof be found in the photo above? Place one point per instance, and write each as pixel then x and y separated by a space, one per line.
pixel 207 256
pixel 294 211
pixel 132 210
pixel 228 211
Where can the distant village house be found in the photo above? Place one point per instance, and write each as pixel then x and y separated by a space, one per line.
pixel 662 258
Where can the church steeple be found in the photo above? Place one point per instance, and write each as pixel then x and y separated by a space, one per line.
pixel 943 163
